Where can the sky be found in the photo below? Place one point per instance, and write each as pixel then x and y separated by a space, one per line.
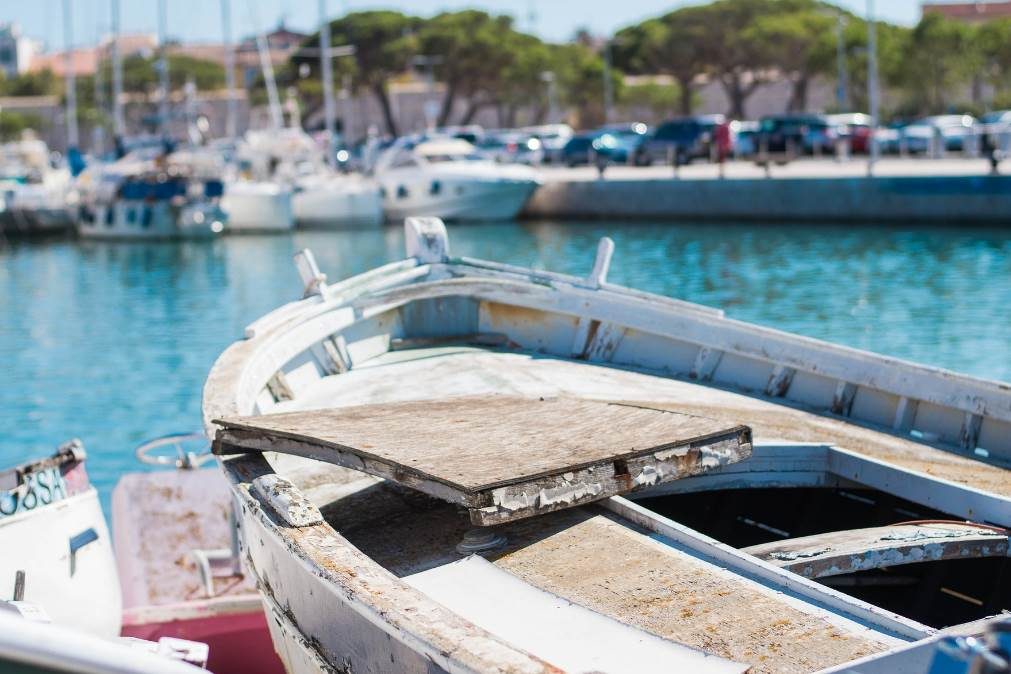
pixel 200 20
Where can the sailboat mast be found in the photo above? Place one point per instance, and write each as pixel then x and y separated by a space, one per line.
pixel 163 72
pixel 118 123
pixel 226 27
pixel 326 72
pixel 70 76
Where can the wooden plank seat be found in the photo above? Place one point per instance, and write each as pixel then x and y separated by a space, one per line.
pixel 839 552
pixel 502 457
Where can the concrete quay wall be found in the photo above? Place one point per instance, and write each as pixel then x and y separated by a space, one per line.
pixel 914 199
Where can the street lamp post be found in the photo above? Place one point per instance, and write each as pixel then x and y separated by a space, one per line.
pixel 872 85
pixel 69 76
pixel 608 84
pixel 427 64
pixel 163 69
pixel 548 77
pixel 842 85
pixel 326 72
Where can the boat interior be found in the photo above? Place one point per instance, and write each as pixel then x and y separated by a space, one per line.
pixel 844 535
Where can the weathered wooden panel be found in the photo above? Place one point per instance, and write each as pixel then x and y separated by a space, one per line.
pixel 541 331
pixel 937 422
pixel 440 316
pixel 812 390
pixel 839 552
pixel 503 457
pixel 747 373
pixel 874 406
pixel 655 352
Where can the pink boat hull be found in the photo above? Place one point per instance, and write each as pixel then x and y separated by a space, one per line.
pixel 239 643
pixel 159 519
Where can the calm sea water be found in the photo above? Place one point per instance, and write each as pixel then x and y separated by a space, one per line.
pixel 110 342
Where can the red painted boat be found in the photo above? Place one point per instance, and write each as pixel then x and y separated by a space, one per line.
pixel 173 535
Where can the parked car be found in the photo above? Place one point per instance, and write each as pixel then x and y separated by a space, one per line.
pixel 682 139
pixel 745 138
pixel 797 133
pixel 511 147
pixel 553 138
pixel 888 138
pixel 951 131
pixel 627 144
pixel 854 127
pixel 472 133
pixel 579 150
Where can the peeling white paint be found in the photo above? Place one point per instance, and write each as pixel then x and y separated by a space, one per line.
pixel 285 500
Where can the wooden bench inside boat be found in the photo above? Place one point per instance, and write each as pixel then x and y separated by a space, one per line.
pixel 502 457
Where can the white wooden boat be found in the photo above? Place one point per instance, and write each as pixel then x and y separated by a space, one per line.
pixel 57 552
pixel 446 178
pixel 855 457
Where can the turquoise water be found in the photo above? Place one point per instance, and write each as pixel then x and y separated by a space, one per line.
pixel 110 342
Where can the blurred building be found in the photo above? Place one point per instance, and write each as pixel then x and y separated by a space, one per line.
pixel 16 50
pixel 281 44
pixel 970 12
pixel 84 60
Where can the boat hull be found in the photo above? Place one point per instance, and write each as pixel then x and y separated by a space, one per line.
pixel 339 604
pixel 334 208
pixel 79 590
pixel 258 208
pixel 162 522
pixel 137 220
pixel 236 632
pixel 458 199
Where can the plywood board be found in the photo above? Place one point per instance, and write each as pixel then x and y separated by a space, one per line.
pixel 503 457
pixel 840 552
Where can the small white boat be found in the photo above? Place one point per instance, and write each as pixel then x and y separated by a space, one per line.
pixel 323 200
pixel 57 552
pixel 258 206
pixel 447 178
pixel 30 644
pixel 457 465
pixel 33 194
pixel 149 196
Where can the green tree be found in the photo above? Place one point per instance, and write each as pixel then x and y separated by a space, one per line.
pixel 993 39
pixel 30 84
pixel 670 45
pixel 579 71
pixel 939 58
pixel 521 84
pixel 662 100
pixel 800 44
pixel 12 124
pixel 473 50
pixel 384 42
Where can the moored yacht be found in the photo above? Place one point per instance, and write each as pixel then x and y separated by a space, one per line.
pixel 448 179
pixel 257 206
pixel 150 195
pixel 327 200
pixel 33 194
pixel 455 465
